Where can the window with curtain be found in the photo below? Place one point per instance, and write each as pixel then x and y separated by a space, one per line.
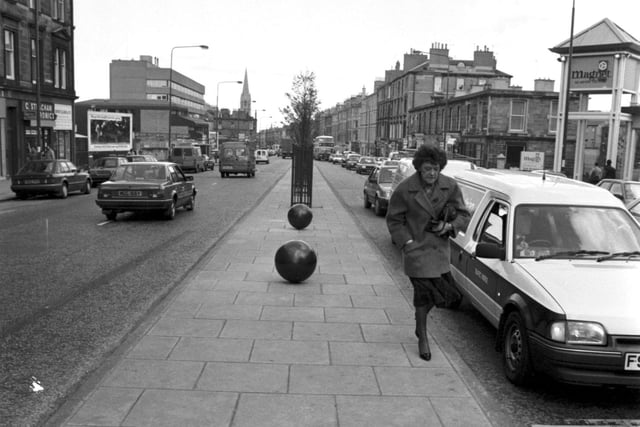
pixel 9 55
pixel 517 119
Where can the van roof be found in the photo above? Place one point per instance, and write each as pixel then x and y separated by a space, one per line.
pixel 525 187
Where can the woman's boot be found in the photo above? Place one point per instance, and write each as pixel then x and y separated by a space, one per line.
pixel 421 331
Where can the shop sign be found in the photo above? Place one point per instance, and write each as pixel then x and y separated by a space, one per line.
pixel 47 111
pixel 592 73
pixel 531 160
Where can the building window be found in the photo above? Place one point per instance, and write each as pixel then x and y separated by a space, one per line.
pixel 57 8
pixel 9 55
pixel 34 62
pixel 517 119
pixel 60 69
pixel 56 68
pixel 553 117
pixel 63 70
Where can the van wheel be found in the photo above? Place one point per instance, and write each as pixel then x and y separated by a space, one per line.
pixel 516 359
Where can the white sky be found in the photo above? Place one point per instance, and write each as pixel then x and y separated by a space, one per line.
pixel 346 43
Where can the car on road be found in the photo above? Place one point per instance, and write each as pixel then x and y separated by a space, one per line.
pixel 627 191
pixel 553 264
pixel 337 159
pixel 209 163
pixel 262 156
pixel 377 188
pixel 634 208
pixel 52 177
pixel 351 161
pixel 148 186
pixel 103 167
pixel 365 165
pixel 141 158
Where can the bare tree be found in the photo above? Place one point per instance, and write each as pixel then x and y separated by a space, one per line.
pixel 303 106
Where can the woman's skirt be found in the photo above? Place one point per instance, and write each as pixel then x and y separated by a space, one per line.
pixel 438 291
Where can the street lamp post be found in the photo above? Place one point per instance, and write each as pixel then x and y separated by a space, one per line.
pixel 218 109
pixel 201 46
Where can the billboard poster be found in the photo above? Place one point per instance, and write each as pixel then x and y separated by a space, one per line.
pixel 109 131
pixel 592 73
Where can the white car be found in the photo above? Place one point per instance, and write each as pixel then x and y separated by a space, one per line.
pixel 262 156
pixel 554 265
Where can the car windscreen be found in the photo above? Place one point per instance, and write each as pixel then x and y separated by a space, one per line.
pixel 542 230
pixel 140 172
pixel 386 175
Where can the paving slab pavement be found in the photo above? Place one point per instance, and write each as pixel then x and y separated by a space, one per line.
pixel 237 345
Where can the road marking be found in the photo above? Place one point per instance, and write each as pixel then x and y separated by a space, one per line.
pixel 103 223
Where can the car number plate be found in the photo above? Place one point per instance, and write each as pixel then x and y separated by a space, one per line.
pixel 632 362
pixel 32 181
pixel 130 193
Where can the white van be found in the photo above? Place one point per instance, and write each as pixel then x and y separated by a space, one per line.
pixel 262 156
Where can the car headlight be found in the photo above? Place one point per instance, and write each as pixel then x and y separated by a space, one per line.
pixel 584 333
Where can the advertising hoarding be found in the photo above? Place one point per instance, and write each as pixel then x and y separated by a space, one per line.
pixel 109 131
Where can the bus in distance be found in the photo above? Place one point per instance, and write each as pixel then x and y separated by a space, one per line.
pixel 322 147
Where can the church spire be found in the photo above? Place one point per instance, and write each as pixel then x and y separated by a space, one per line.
pixel 245 98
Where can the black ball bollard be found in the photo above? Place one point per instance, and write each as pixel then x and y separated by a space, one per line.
pixel 300 216
pixel 295 261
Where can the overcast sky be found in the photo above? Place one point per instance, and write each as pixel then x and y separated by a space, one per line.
pixel 346 43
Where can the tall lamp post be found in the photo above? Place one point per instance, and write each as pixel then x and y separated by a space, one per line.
pixel 201 46
pixel 218 109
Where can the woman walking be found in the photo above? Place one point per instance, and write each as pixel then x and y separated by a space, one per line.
pixel 424 210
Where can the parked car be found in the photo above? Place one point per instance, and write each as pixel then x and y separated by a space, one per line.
pixel 377 188
pixel 553 265
pixel 627 191
pixel 141 158
pixel 103 167
pixel 53 177
pixel 634 208
pixel 209 163
pixel 262 156
pixel 147 186
pixel 351 161
pixel 365 165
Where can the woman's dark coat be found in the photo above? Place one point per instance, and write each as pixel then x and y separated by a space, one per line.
pixel 409 216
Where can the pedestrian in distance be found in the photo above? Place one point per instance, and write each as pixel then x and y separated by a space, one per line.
pixel 49 154
pixel 424 211
pixel 595 175
pixel 609 171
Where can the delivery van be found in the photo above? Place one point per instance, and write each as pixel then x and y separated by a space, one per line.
pixel 237 157
pixel 188 156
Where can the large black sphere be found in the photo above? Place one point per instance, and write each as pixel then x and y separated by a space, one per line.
pixel 300 216
pixel 295 261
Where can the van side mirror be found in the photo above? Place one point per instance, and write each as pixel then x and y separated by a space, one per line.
pixel 490 250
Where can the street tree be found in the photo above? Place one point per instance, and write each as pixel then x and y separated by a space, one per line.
pixel 299 114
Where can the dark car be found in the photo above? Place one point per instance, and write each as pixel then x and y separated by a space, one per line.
pixel 147 186
pixel 209 163
pixel 627 191
pixel 365 165
pixel 377 189
pixel 55 177
pixel 351 161
pixel 141 158
pixel 103 168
